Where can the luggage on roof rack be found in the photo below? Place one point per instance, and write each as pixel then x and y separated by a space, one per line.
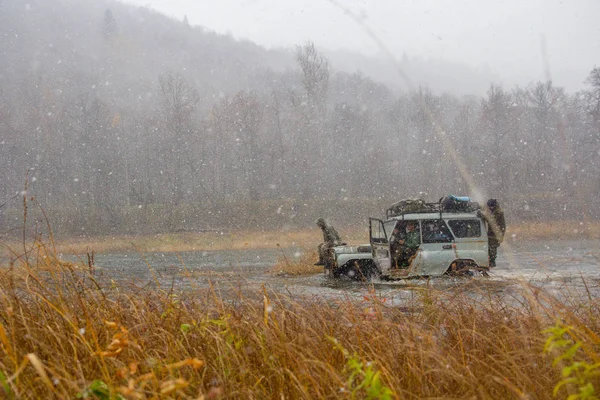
pixel 452 203
pixel 448 203
pixel 411 206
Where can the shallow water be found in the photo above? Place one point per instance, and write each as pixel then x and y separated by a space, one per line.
pixel 569 269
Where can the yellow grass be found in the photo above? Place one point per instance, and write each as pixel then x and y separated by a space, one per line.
pixel 307 238
pixel 203 241
pixel 303 265
pixel 555 230
pixel 65 334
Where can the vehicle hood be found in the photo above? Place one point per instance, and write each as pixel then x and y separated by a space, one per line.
pixel 353 249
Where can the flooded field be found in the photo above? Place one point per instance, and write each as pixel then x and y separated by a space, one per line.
pixel 563 268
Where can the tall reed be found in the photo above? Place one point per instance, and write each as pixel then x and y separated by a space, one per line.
pixel 66 334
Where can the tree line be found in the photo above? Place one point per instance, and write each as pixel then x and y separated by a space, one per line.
pixel 309 135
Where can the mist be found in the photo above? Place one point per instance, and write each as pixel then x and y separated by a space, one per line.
pixel 120 119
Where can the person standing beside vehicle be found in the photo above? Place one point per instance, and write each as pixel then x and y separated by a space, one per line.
pixel 330 239
pixel 494 217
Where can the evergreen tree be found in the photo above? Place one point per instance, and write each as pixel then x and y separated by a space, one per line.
pixel 109 29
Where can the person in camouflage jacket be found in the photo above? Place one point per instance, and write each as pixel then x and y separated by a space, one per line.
pixel 494 217
pixel 330 239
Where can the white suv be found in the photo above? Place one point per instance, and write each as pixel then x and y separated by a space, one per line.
pixel 449 242
pixel 452 239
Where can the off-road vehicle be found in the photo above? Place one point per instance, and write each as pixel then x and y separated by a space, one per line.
pixel 452 239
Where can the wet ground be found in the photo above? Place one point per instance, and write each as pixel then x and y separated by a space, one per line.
pixel 564 268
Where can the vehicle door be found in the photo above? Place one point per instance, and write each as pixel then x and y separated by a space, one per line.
pixel 436 251
pixel 470 239
pixel 380 245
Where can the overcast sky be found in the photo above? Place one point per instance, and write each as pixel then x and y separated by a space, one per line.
pixel 504 35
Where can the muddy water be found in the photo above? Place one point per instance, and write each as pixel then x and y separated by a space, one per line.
pixel 565 268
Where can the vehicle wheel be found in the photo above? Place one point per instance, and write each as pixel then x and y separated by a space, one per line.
pixel 463 268
pixel 354 273
pixel 337 273
pixel 362 270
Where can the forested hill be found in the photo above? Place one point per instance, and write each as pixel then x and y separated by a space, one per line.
pixel 106 43
pixel 124 120
pixel 127 47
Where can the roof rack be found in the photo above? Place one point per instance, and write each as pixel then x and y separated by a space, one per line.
pixel 448 204
pixel 411 206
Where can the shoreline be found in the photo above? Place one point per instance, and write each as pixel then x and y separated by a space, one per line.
pixel 302 238
pixel 305 238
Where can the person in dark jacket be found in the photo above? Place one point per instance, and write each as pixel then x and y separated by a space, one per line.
pixel 405 241
pixel 494 217
pixel 330 239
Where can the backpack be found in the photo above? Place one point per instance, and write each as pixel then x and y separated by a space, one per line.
pixel 452 203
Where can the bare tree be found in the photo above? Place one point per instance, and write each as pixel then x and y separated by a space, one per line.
pixel 497 119
pixel 313 138
pixel 237 122
pixel 315 73
pixel 541 103
pixel 593 94
pixel 591 138
pixel 179 100
pixel 247 124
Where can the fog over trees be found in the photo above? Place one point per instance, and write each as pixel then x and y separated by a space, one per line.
pixel 129 121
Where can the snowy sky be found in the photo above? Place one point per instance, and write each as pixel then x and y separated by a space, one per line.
pixel 504 35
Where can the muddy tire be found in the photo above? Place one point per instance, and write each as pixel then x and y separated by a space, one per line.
pixel 362 270
pixel 465 268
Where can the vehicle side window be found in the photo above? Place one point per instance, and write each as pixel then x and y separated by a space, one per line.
pixel 377 232
pixel 465 228
pixel 436 231
pixel 399 231
pixel 389 228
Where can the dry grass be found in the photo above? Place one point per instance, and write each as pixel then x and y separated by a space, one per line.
pixel 63 334
pixel 555 230
pixel 309 238
pixel 302 265
pixel 203 241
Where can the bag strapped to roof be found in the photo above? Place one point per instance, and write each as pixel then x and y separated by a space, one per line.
pixel 446 204
pixel 452 203
pixel 411 206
